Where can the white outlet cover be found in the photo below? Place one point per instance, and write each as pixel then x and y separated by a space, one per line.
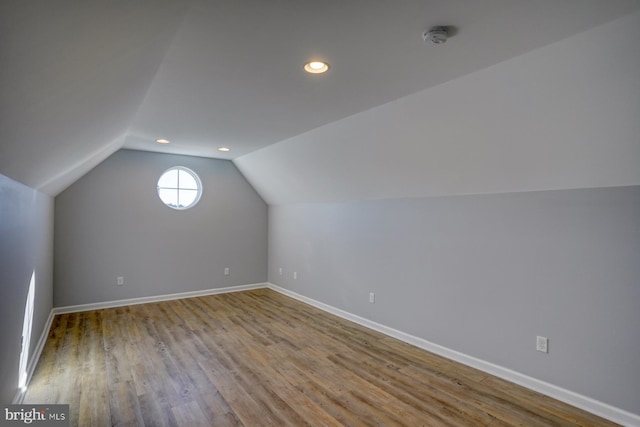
pixel 542 344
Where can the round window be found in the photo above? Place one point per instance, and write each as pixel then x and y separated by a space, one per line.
pixel 179 188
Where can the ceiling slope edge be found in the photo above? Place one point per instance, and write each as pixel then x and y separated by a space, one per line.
pixel 75 114
pixel 561 116
pixel 62 181
pixel 65 179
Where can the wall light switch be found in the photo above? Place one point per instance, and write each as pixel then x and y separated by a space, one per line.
pixel 120 281
pixel 226 271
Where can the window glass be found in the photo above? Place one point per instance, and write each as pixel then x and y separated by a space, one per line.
pixel 179 188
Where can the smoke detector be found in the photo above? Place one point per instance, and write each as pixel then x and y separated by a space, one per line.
pixel 436 35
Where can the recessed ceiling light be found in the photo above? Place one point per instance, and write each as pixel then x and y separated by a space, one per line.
pixel 162 141
pixel 316 67
pixel 224 149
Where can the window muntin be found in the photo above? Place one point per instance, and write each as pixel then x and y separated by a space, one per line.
pixel 179 188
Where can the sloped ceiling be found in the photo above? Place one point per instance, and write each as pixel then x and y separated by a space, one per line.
pixel 562 116
pixel 73 75
pixel 82 79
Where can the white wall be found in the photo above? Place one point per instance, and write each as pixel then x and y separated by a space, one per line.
pixel 112 223
pixel 563 116
pixel 26 246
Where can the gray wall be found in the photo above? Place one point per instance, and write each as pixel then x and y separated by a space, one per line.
pixel 484 275
pixel 111 223
pixel 26 245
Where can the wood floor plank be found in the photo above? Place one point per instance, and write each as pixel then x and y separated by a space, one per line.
pixel 189 414
pixel 430 401
pixel 259 358
pixel 155 411
pixel 217 410
pixel 333 405
pixel 94 408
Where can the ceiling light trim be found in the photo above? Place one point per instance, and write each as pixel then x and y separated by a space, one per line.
pixel 316 67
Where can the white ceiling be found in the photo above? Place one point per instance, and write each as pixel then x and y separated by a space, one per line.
pixel 82 79
pixel 561 116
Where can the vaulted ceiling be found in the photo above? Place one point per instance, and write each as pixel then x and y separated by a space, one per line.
pixel 80 80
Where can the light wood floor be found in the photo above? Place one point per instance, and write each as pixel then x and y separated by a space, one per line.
pixel 259 358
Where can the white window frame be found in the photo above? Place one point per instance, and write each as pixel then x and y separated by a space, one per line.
pixel 178 188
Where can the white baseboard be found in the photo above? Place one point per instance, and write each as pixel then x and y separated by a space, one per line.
pixel 157 298
pixel 601 409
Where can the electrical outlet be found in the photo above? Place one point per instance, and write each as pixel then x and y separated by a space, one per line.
pixel 295 275
pixel 542 344
pixel 372 297
pixel 226 271
pixel 120 281
pixel 280 271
